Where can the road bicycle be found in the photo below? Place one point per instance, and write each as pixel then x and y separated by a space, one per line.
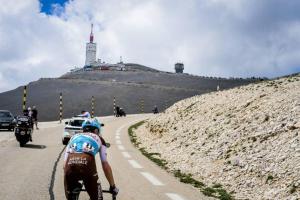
pixel 75 193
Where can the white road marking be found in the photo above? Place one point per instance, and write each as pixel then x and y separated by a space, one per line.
pixel 174 196
pixel 152 179
pixel 135 164
pixel 121 147
pixel 126 154
pixel 118 142
pixel 118 137
pixel 118 132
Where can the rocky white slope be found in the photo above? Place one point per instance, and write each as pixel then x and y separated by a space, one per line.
pixel 247 138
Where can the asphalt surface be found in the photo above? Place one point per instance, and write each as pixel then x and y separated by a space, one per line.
pixel 36 171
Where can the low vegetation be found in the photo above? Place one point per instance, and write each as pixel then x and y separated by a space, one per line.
pixel 214 191
pixel 155 157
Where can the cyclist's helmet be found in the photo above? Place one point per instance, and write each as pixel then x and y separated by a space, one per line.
pixel 89 125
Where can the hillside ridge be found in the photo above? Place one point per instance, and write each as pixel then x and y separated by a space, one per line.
pixel 135 91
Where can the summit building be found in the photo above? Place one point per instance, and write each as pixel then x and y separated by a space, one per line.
pixel 92 63
pixel 91 50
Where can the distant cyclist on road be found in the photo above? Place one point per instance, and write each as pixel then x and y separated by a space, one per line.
pixel 80 161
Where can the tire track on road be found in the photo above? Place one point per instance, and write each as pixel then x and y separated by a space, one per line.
pixel 51 192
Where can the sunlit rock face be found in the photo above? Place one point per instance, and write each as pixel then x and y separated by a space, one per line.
pixel 246 139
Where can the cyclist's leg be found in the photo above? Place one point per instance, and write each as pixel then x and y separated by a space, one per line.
pixel 69 187
pixel 36 123
pixel 72 174
pixel 91 181
pixel 93 188
pixel 70 184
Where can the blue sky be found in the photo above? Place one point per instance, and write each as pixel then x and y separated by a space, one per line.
pixel 220 38
pixel 47 5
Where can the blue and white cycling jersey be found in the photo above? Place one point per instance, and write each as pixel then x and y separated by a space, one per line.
pixel 86 143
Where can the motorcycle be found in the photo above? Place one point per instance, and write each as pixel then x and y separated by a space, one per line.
pixel 122 113
pixel 23 130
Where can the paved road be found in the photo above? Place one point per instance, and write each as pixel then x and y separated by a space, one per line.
pixel 35 172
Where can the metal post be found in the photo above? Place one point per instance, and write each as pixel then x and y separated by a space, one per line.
pixel 114 106
pixel 24 97
pixel 60 107
pixel 142 106
pixel 93 104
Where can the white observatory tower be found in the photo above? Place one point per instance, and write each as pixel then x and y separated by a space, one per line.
pixel 90 50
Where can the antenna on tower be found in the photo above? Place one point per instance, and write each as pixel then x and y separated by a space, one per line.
pixel 91 35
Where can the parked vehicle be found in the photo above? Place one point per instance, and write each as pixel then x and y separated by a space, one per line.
pixel 72 127
pixel 23 130
pixel 7 120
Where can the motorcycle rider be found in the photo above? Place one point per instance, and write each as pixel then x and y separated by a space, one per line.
pixel 80 162
pixel 117 111
pixel 155 109
pixel 34 117
pixel 27 113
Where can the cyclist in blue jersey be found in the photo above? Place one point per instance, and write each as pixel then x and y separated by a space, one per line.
pixel 80 161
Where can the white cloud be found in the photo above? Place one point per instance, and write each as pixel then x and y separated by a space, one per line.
pixel 212 37
pixel 4 83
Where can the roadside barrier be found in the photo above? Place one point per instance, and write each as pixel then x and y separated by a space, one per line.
pixel 60 107
pixel 24 98
pixel 93 105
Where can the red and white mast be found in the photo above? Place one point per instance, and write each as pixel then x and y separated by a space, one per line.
pixel 91 50
pixel 91 35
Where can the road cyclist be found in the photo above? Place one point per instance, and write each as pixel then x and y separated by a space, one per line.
pixel 80 165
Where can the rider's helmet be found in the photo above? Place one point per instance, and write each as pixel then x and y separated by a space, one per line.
pixel 89 125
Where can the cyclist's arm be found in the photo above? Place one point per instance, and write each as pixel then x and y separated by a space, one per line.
pixel 103 154
pixel 105 166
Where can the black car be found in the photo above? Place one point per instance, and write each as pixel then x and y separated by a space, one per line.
pixel 7 120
